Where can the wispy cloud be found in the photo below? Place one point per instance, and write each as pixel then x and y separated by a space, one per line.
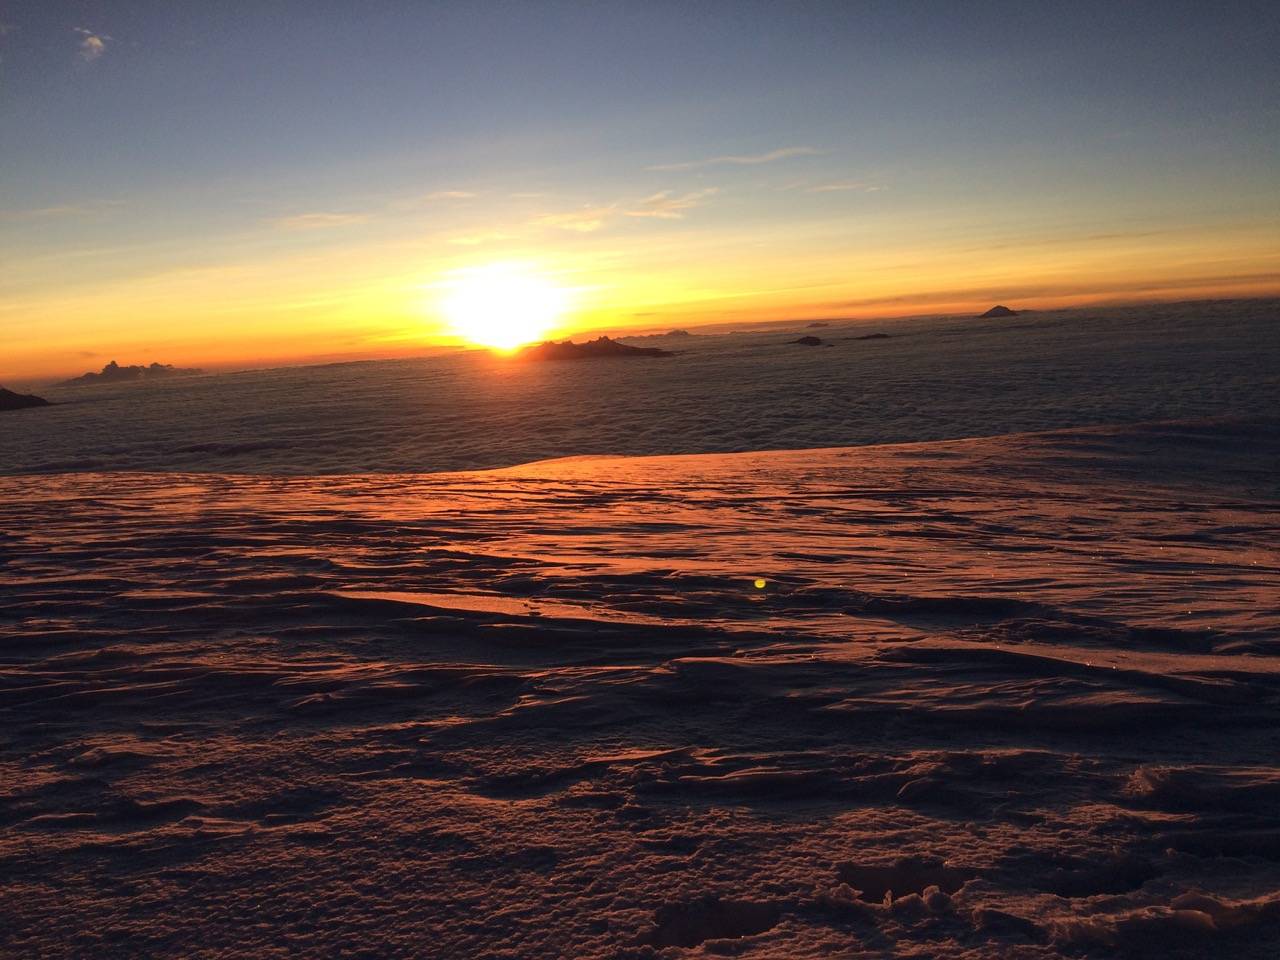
pixel 859 186
pixel 586 220
pixel 318 221
pixel 664 206
pixel 739 160
pixel 416 202
pixel 60 211
pixel 92 45
pixel 45 213
pixel 410 204
pixel 450 195
pixel 478 239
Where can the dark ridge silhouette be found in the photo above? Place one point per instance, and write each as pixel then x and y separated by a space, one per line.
pixel 808 341
pixel 114 373
pixel 590 350
pixel 20 401
pixel 870 336
pixel 817 324
pixel 999 310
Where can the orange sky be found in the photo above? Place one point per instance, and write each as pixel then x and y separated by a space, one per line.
pixel 349 295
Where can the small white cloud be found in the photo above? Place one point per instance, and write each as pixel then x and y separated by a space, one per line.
pixel 92 45
pixel 664 206
pixel 317 221
pixel 739 160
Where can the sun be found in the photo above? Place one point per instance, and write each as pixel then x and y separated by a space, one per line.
pixel 502 305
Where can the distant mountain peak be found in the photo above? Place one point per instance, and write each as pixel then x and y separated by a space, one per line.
pixel 17 401
pixel 1000 310
pixel 588 350
pixel 114 373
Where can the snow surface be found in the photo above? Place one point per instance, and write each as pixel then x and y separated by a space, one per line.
pixel 1010 697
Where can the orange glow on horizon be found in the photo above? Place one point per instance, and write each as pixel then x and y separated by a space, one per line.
pixel 366 300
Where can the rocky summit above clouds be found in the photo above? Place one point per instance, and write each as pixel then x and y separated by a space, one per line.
pixel 114 373
pixel 20 401
pixel 999 310
pixel 589 350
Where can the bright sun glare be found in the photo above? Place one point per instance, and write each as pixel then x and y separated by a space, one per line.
pixel 502 305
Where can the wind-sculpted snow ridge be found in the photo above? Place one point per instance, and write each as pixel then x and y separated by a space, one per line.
pixel 1013 697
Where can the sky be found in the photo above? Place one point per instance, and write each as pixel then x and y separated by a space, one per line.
pixel 243 184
